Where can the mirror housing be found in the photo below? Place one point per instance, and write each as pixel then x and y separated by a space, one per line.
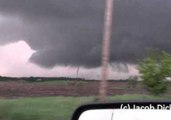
pixel 147 106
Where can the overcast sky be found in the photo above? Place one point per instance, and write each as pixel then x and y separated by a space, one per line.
pixel 62 35
pixel 15 62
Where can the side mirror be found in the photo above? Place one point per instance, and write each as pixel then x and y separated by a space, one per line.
pixel 124 111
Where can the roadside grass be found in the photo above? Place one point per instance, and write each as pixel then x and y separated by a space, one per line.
pixel 42 108
pixel 138 97
pixel 53 108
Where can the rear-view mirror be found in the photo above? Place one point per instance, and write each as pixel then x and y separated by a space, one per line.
pixel 124 111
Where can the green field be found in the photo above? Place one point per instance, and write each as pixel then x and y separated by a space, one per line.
pixel 60 82
pixel 51 108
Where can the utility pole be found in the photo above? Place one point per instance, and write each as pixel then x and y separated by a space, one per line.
pixel 106 49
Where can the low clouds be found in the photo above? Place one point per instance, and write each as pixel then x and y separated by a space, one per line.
pixel 69 32
pixel 15 63
pixel 10 29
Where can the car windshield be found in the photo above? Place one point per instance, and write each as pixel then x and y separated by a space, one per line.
pixel 59 54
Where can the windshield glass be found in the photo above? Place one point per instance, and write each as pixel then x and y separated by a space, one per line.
pixel 58 54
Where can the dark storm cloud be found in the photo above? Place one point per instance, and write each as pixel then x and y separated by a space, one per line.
pixel 69 32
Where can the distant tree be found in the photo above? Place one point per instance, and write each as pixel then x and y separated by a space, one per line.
pixel 132 81
pixel 154 71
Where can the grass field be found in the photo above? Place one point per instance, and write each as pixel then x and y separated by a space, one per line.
pixel 51 108
pixel 60 82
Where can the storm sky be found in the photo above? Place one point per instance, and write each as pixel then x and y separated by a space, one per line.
pixel 69 32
